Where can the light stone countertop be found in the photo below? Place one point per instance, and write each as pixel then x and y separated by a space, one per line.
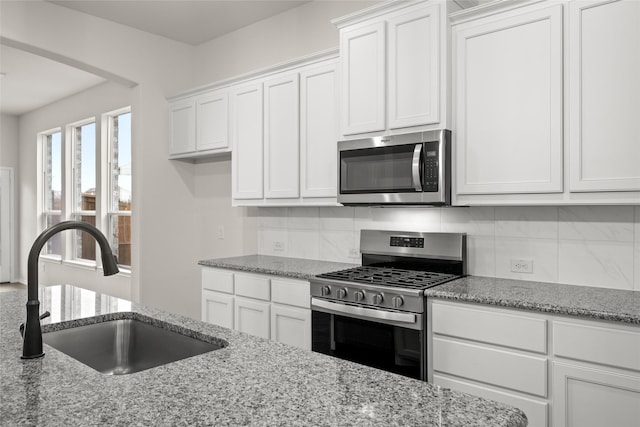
pixel 252 381
pixel 584 301
pixel 296 268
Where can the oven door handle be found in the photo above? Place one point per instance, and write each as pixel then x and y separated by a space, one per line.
pixel 415 167
pixel 364 312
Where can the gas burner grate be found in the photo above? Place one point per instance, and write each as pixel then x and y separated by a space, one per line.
pixel 387 276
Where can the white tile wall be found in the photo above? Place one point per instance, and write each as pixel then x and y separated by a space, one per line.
pixel 585 245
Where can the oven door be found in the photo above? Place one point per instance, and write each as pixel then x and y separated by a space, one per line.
pixel 388 340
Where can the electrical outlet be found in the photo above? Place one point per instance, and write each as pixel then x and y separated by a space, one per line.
pixel 522 265
pixel 221 232
pixel 353 253
pixel 278 246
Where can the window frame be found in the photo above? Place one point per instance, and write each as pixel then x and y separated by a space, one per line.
pixel 112 211
pixel 44 138
pixel 70 197
pixel 75 209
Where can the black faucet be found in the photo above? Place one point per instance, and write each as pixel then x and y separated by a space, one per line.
pixel 32 344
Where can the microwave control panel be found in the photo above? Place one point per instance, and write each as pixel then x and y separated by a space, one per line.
pixel 431 167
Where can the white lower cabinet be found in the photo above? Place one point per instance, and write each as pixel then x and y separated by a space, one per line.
pixel 217 308
pixel 265 306
pixel 497 354
pixel 560 371
pixel 252 316
pixel 595 397
pixel 596 374
pixel 291 325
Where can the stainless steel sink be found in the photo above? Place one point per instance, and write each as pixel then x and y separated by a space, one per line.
pixel 125 346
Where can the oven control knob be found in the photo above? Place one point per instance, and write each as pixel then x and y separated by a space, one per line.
pixel 342 292
pixel 359 295
pixel 397 301
pixel 325 290
pixel 377 299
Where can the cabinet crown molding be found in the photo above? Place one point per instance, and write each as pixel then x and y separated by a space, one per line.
pixel 375 11
pixel 488 9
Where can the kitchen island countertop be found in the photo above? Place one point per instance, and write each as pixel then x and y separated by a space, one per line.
pixel 252 381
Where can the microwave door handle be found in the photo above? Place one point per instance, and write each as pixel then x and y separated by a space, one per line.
pixel 415 167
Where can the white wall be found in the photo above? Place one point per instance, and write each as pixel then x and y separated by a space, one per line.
pixel 580 245
pixel 9 141
pixel 165 237
pixel 294 33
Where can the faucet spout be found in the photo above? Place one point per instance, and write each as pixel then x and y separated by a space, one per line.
pixel 32 344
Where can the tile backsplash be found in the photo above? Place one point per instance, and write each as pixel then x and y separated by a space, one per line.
pixel 582 245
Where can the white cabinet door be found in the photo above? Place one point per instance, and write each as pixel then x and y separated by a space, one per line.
pixel 246 134
pixel 508 103
pixel 362 53
pixel 252 316
pixel 604 95
pixel 212 121
pixel 319 131
pixel 281 137
pixel 291 325
pixel 217 308
pixel 414 68
pixel 182 124
pixel 586 397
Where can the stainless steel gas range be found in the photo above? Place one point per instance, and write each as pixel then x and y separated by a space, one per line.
pixel 375 314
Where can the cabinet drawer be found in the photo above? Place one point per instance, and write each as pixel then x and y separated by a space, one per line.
pixel 252 286
pixel 292 292
pixel 493 327
pixel 608 346
pixel 535 410
pixel 217 280
pixel 492 366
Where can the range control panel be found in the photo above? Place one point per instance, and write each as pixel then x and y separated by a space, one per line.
pixel 406 242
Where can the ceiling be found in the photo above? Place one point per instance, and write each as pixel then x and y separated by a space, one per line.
pixel 30 81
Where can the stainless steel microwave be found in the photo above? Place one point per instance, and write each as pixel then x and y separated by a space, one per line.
pixel 408 169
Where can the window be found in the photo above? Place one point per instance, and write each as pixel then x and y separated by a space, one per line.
pixel 83 137
pixel 120 185
pixel 52 171
pixel 87 177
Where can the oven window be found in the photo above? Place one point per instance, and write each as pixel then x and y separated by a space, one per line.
pixel 381 346
pixel 377 170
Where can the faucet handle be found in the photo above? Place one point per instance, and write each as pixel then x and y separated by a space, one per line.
pixel 42 316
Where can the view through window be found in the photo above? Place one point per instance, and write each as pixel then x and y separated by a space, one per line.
pixel 103 202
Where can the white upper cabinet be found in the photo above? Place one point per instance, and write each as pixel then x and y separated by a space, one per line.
pixel 182 122
pixel 212 132
pixel 508 103
pixel 604 95
pixel 319 131
pixel 414 68
pixel 281 136
pixel 363 78
pixel 199 125
pixel 246 134
pixel 295 126
pixel 546 100
pixel 394 66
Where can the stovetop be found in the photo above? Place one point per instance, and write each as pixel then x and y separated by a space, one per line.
pixel 388 276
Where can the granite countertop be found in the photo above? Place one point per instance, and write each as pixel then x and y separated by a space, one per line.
pixel 252 381
pixel 296 268
pixel 584 301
